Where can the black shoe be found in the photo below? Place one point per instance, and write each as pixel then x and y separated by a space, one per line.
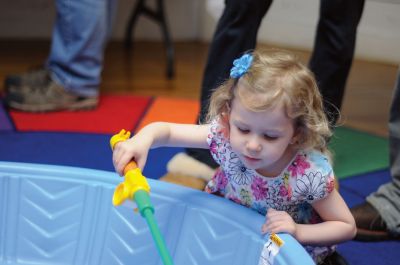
pixel 36 77
pixel 334 259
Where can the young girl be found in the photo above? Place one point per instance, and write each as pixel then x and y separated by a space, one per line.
pixel 268 132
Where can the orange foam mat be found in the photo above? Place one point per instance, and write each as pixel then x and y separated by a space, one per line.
pixel 171 110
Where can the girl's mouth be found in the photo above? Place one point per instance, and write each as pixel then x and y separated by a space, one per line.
pixel 251 159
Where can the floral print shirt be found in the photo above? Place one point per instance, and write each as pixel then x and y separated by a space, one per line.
pixel 308 178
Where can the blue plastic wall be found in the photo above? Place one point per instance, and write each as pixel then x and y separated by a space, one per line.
pixel 64 215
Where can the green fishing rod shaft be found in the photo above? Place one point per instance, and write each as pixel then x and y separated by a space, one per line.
pixel 146 209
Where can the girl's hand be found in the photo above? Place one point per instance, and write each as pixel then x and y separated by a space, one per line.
pixel 279 221
pixel 135 148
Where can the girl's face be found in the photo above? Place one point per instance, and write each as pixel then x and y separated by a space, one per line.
pixel 262 140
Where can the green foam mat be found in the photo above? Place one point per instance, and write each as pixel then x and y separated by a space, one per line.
pixel 356 152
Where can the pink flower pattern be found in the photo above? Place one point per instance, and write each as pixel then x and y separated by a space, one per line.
pixel 283 191
pixel 221 180
pixel 259 188
pixel 299 166
pixel 330 186
pixel 213 147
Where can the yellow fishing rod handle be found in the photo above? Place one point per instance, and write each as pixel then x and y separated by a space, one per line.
pixel 134 181
pixel 123 135
pixel 133 177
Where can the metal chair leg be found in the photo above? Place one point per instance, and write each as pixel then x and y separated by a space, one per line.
pixel 158 16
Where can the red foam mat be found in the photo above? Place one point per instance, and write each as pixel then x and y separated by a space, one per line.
pixel 115 112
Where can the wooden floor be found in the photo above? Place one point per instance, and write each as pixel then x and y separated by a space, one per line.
pixel 143 72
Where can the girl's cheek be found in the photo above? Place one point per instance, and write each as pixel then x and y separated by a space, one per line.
pixel 235 142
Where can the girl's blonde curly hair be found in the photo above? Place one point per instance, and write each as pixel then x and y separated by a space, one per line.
pixel 275 77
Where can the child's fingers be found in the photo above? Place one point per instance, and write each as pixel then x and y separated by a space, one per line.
pixel 274 221
pixel 141 162
pixel 118 167
pixel 274 216
pixel 271 212
pixel 264 229
pixel 275 227
pixel 120 161
pixel 270 228
pixel 278 216
pixel 268 220
pixel 115 160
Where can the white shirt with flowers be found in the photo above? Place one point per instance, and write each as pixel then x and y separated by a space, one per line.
pixel 307 178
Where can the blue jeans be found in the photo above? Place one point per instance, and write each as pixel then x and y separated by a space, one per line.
pixel 81 30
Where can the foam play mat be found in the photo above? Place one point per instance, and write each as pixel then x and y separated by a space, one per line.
pixel 30 203
pixel 355 152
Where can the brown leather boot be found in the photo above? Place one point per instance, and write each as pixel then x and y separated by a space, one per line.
pixel 370 225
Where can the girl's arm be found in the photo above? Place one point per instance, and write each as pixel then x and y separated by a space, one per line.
pixel 338 224
pixel 158 134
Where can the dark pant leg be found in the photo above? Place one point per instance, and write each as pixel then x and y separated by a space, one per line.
pixel 236 33
pixel 394 135
pixel 334 49
pixel 387 198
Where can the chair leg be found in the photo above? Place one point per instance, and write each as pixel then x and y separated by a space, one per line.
pixel 158 16
pixel 138 9
pixel 167 40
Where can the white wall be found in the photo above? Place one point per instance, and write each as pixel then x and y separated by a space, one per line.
pixel 34 19
pixel 289 22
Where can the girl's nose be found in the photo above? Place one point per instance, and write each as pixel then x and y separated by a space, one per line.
pixel 253 145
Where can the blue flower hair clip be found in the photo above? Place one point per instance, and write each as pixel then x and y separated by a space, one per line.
pixel 241 65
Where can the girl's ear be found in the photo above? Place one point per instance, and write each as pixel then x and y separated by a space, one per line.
pixel 296 136
pixel 225 119
pixel 225 115
pixel 227 108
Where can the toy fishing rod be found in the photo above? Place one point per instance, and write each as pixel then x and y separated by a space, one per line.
pixel 136 188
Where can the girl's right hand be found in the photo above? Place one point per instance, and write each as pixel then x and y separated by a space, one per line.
pixel 279 221
pixel 135 148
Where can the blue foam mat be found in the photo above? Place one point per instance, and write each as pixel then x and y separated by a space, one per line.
pixel 365 184
pixel 354 190
pixel 73 149
pixel 379 253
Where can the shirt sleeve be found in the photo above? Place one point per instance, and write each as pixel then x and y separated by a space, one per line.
pixel 216 140
pixel 317 182
pixel 217 184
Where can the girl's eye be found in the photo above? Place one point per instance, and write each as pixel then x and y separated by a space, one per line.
pixel 243 130
pixel 270 138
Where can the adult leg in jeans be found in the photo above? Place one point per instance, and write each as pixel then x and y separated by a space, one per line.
pixel 236 33
pixel 334 49
pixel 71 77
pixel 79 38
pixel 379 217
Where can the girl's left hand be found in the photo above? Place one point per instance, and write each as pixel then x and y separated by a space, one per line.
pixel 279 221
